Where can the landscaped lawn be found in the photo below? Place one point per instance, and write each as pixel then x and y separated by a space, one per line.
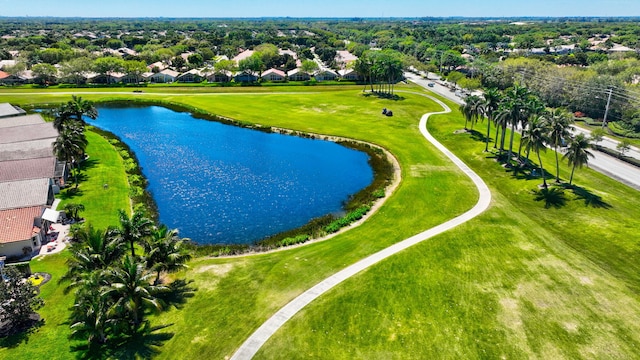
pixel 519 281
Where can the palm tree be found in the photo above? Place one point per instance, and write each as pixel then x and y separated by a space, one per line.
pixel 534 138
pixel 516 106
pixel 577 153
pixel 69 146
pixel 72 209
pixel 133 229
pixel 94 250
pixel 534 107
pixel 77 107
pixel 559 121
pixel 164 251
pixel 492 100
pixel 132 293
pixel 89 316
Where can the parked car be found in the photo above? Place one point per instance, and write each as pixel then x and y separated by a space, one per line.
pixel 431 84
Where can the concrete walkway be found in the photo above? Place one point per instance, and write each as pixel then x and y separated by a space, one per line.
pixel 251 346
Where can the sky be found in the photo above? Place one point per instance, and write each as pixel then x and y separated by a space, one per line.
pixel 318 8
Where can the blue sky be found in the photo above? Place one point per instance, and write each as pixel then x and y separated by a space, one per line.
pixel 315 8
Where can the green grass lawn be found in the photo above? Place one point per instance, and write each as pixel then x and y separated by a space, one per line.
pixel 520 281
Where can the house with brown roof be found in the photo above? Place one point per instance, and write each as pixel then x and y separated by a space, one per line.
pixel 39 168
pixel 21 231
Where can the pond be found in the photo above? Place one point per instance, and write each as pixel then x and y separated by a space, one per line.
pixel 223 184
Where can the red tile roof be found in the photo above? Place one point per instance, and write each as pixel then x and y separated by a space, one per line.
pixel 4 75
pixel 17 224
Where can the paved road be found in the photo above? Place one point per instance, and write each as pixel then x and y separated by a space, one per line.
pixel 251 346
pixel 608 165
pixel 609 143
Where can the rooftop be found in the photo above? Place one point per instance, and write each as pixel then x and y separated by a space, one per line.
pixel 20 120
pixel 18 224
pixel 27 169
pixel 7 109
pixel 17 134
pixel 24 193
pixel 26 150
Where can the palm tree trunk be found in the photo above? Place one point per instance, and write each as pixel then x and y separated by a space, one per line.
pixel 495 144
pixel 513 130
pixel 557 164
pixel 504 135
pixel 133 250
pixel 544 178
pixel 572 170
pixel 486 145
pixel 157 281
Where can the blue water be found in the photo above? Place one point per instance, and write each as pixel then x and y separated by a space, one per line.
pixel 222 184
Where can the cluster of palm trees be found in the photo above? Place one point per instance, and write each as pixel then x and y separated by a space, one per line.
pixel 115 290
pixel 383 68
pixel 517 108
pixel 71 143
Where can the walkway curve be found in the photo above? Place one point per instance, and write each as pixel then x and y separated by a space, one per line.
pixel 251 346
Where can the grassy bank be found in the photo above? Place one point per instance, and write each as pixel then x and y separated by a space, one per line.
pixel 520 281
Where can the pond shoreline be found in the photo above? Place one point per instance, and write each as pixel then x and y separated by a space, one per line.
pixel 386 177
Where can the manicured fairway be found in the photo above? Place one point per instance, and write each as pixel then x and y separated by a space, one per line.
pixel 520 281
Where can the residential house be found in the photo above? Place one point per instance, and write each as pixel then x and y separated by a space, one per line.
pixel 17 120
pixel 32 149
pixel 21 231
pixel 39 168
pixel 159 65
pixel 164 76
pixel 298 75
pixel 25 193
pixel 325 75
pixel 11 79
pixel 243 55
pixel 344 58
pixel 274 75
pixel 349 74
pixel 245 77
pixel 220 76
pixel 191 76
pixel 17 134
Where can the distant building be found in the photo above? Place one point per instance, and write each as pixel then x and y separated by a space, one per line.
pixel 22 231
pixel 274 75
pixel 298 75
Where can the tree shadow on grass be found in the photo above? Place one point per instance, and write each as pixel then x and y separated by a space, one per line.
pixel 385 96
pixel 179 292
pixel 89 163
pixel 145 344
pixel 23 334
pixel 70 193
pixel 589 198
pixel 552 197
pixel 477 136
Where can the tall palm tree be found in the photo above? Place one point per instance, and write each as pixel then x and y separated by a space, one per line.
pixel 534 138
pixel 164 251
pixel 534 107
pixel 577 153
pixel 492 100
pixel 70 146
pixel 517 111
pixel 132 292
pixel 133 229
pixel 559 121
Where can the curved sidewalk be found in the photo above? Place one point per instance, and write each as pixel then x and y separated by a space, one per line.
pixel 251 346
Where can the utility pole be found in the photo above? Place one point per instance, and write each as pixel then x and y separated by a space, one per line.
pixel 606 111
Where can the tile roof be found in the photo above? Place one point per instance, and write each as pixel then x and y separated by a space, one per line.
pixel 18 224
pixel 243 55
pixel 27 169
pixel 21 120
pixel 4 75
pixel 26 150
pixel 28 132
pixel 24 193
pixel 274 71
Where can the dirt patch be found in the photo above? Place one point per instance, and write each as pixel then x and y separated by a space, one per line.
pixel 217 269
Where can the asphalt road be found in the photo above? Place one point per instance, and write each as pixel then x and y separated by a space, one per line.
pixel 608 165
